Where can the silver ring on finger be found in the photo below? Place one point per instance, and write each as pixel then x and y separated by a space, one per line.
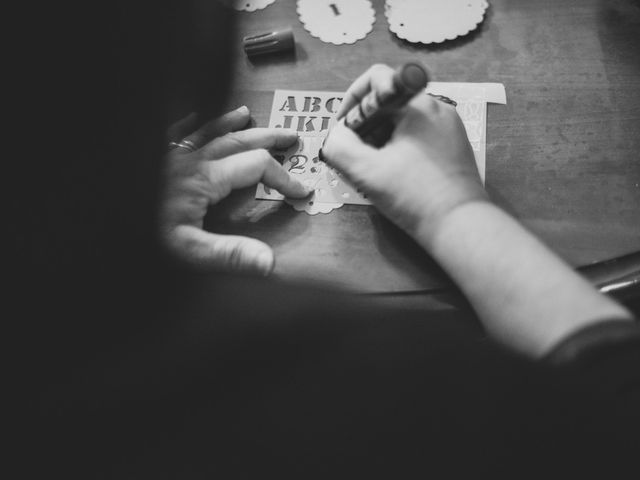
pixel 184 143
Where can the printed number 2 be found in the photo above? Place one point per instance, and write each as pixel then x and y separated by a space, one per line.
pixel 298 163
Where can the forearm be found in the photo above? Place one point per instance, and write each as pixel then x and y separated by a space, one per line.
pixel 425 180
pixel 523 293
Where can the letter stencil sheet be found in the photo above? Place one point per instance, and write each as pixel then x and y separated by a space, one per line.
pixel 312 114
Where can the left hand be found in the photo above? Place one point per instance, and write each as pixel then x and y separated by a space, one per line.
pixel 227 158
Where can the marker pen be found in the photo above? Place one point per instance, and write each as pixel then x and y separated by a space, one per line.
pixel 371 118
pixel 375 109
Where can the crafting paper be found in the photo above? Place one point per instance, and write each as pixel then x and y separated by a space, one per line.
pixel 434 21
pixel 472 99
pixel 248 5
pixel 312 114
pixel 337 21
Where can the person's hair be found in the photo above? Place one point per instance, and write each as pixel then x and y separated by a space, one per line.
pixel 84 190
pixel 112 77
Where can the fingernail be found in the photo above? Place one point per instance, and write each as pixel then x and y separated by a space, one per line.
pixel 243 109
pixel 265 262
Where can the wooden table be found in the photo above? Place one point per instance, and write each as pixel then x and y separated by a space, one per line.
pixel 562 156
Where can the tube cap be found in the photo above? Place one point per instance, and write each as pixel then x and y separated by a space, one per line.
pixel 411 77
pixel 269 42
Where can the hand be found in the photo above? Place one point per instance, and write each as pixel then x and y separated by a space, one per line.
pixel 424 171
pixel 227 158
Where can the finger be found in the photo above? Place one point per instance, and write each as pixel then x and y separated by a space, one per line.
pixel 345 151
pixel 229 122
pixel 227 253
pixel 248 168
pixel 420 115
pixel 180 129
pixel 244 140
pixel 379 78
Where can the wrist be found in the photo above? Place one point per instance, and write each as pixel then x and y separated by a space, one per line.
pixel 459 201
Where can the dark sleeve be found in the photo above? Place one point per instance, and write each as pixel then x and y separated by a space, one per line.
pixel 600 342
pixel 605 358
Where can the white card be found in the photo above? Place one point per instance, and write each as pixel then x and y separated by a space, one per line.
pixel 337 21
pixel 248 5
pixel 434 21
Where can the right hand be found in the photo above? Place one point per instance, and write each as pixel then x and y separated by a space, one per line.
pixel 424 171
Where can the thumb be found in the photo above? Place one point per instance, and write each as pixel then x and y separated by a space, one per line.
pixel 344 150
pixel 228 253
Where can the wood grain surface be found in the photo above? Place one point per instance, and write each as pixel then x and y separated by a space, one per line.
pixel 562 155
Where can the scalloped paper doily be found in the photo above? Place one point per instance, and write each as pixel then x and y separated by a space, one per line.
pixel 337 21
pixel 434 21
pixel 248 5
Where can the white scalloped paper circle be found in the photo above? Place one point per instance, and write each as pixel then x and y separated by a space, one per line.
pixel 311 207
pixel 337 21
pixel 248 5
pixel 317 202
pixel 434 21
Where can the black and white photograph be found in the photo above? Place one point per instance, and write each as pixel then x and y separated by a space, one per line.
pixel 323 239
